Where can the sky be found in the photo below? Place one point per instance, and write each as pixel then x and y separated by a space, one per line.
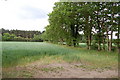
pixel 25 14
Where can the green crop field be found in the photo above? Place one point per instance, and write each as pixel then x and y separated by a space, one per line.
pixel 21 53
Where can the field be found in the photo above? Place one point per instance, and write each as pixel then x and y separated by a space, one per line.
pixel 19 58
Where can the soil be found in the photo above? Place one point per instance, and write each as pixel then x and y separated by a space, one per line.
pixel 57 70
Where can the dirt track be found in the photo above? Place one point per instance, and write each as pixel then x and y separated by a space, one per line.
pixel 57 70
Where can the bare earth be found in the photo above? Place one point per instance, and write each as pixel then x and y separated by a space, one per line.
pixel 57 70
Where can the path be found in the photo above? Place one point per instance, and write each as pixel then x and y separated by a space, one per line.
pixel 57 70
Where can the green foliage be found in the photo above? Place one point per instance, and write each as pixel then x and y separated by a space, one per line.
pixel 22 39
pixel 94 20
pixel 98 37
pixel 94 45
pixel 116 41
pixel 8 37
pixel 21 33
pixel 37 38
pixel 13 37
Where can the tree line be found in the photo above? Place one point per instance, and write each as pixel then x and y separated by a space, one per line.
pixel 96 22
pixel 20 35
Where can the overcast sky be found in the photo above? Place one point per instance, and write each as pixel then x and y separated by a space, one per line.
pixel 25 14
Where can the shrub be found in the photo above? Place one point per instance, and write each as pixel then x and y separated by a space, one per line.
pixel 37 38
pixel 94 45
pixel 8 37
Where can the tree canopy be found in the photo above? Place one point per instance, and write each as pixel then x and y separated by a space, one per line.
pixel 97 21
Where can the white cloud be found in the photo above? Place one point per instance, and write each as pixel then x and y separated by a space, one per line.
pixel 25 14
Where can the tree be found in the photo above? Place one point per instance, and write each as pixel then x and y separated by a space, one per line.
pixel 96 20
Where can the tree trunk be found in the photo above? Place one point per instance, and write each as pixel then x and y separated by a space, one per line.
pixel 73 35
pixel 89 42
pixel 87 32
pixel 103 28
pixel 118 37
pixel 76 35
pixel 110 43
pixel 103 48
pixel 99 31
pixel 74 43
pixel 107 40
pixel 112 15
pixel 90 34
pixel 99 35
pixel 99 46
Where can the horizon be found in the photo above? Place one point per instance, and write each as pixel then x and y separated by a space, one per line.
pixel 22 30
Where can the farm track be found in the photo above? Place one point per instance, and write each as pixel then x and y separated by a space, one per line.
pixel 56 70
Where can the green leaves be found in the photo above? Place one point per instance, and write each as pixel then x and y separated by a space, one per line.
pixel 7 37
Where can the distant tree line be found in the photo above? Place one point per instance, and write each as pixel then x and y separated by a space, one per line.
pixel 20 35
pixel 95 22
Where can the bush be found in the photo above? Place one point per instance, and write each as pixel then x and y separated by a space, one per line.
pixel 37 38
pixel 22 39
pixel 94 45
pixel 114 48
pixel 18 39
pixel 116 41
pixel 13 37
pixel 8 37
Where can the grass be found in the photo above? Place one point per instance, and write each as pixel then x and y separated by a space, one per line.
pixel 19 53
pixel 15 53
